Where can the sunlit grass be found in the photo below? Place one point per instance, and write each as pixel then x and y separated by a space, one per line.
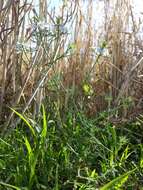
pixel 77 153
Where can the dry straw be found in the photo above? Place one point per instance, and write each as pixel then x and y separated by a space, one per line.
pixel 25 72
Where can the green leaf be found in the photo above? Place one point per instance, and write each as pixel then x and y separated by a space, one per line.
pixel 5 142
pixel 117 182
pixel 72 46
pixel 93 174
pixel 86 88
pixel 29 149
pixel 28 124
pixel 44 131
pixel 2 164
pixel 10 186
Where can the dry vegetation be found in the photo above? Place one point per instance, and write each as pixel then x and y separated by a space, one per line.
pixel 65 56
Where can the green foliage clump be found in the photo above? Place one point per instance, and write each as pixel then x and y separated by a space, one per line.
pixel 70 153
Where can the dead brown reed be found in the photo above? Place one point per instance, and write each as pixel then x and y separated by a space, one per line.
pixel 25 75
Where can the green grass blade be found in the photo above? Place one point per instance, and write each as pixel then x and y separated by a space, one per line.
pixel 44 131
pixel 5 142
pixel 10 186
pixel 121 179
pixel 28 124
pixel 28 146
pixel 56 178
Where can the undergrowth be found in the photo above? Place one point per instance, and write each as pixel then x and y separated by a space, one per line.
pixel 71 151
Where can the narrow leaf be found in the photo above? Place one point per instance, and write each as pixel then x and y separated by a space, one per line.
pixel 114 182
pixel 30 127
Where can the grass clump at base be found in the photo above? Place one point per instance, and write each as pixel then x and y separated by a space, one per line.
pixel 72 152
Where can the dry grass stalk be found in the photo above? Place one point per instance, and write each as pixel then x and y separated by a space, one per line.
pixel 109 75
